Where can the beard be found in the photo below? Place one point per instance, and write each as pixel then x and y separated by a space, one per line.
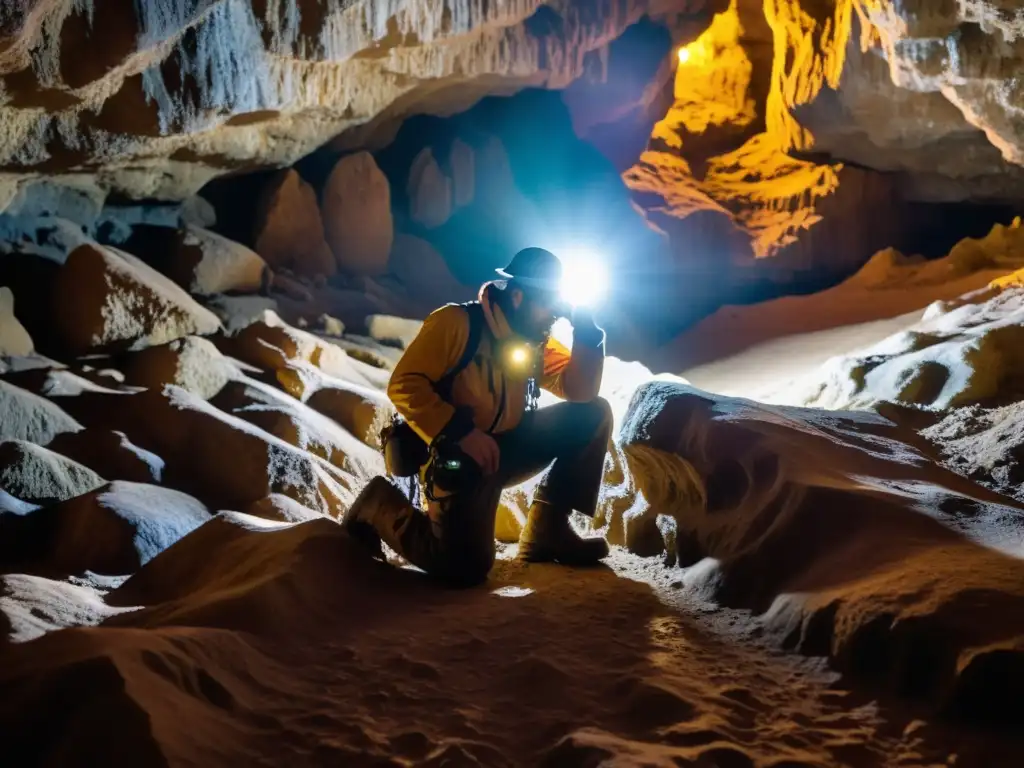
pixel 521 325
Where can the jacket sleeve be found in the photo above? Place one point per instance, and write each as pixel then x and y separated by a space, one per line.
pixel 435 350
pixel 575 375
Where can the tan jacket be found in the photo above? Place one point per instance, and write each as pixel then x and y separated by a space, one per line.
pixel 494 384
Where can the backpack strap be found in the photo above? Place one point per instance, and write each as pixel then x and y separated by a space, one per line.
pixel 475 313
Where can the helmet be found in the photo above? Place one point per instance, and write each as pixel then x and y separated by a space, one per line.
pixel 535 268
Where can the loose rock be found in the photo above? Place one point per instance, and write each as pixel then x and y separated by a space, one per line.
pixel 357 215
pixel 289 231
pixel 110 299
pixel 35 474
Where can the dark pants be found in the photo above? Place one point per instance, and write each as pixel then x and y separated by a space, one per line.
pixel 458 546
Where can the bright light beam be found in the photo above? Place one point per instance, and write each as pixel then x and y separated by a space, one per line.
pixel 584 279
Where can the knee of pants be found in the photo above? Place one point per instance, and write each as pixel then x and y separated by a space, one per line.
pixel 598 416
pixel 468 571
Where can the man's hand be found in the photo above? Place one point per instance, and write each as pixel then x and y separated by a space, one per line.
pixel 483 449
pixel 585 329
pixel 581 316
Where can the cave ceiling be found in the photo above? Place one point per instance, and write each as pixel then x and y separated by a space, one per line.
pixel 772 98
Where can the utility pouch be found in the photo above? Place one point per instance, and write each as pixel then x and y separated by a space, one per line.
pixel 404 450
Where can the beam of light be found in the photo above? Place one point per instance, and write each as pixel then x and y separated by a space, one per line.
pixel 684 55
pixel 584 278
pixel 512 591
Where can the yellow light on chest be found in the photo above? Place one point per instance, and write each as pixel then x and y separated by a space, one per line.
pixel 519 357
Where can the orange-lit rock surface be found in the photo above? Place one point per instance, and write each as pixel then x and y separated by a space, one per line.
pixel 775 97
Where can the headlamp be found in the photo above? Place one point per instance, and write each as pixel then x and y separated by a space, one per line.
pixel 519 355
pixel 584 278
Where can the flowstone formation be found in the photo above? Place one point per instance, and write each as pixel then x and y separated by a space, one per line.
pixel 795 122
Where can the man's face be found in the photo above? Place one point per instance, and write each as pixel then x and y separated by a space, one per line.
pixel 535 314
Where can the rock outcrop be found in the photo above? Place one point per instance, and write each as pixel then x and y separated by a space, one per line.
pixel 787 115
pixel 289 231
pixel 107 299
pixel 40 476
pixel 357 215
pixel 430 191
pixel 197 260
pixel 14 339
pixel 840 531
pixel 96 91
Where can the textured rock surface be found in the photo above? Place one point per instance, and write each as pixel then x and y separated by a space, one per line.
pixel 106 298
pixel 773 97
pixel 38 475
pixel 14 339
pixel 110 454
pixel 192 363
pixel 99 89
pixel 26 416
pixel 201 262
pixel 430 191
pixel 113 529
pixel 969 53
pixel 289 231
pixel 357 215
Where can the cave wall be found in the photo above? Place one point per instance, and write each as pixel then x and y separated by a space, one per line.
pixel 797 137
pixel 805 135
pixel 154 98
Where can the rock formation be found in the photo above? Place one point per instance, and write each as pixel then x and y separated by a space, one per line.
pixel 357 215
pixel 782 108
pixel 289 230
pixel 94 93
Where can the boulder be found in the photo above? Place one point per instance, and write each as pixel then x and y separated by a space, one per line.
pixel 398 330
pixel 26 416
pixel 362 411
pixel 14 339
pixel 282 509
pixel 199 211
pixel 40 476
pixel 289 232
pixel 258 582
pixel 429 191
pixel 290 287
pixel 848 538
pixel 225 461
pixel 56 380
pixel 221 265
pixel 236 312
pixel 297 424
pixel 112 300
pixel 192 363
pixel 110 454
pixel 462 162
pixel 46 237
pixel 270 344
pixel 356 209
pixel 114 529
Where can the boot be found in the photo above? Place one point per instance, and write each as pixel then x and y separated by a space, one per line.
pixel 380 512
pixel 549 537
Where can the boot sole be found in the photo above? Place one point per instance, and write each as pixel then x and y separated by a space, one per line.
pixel 367 537
pixel 545 556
